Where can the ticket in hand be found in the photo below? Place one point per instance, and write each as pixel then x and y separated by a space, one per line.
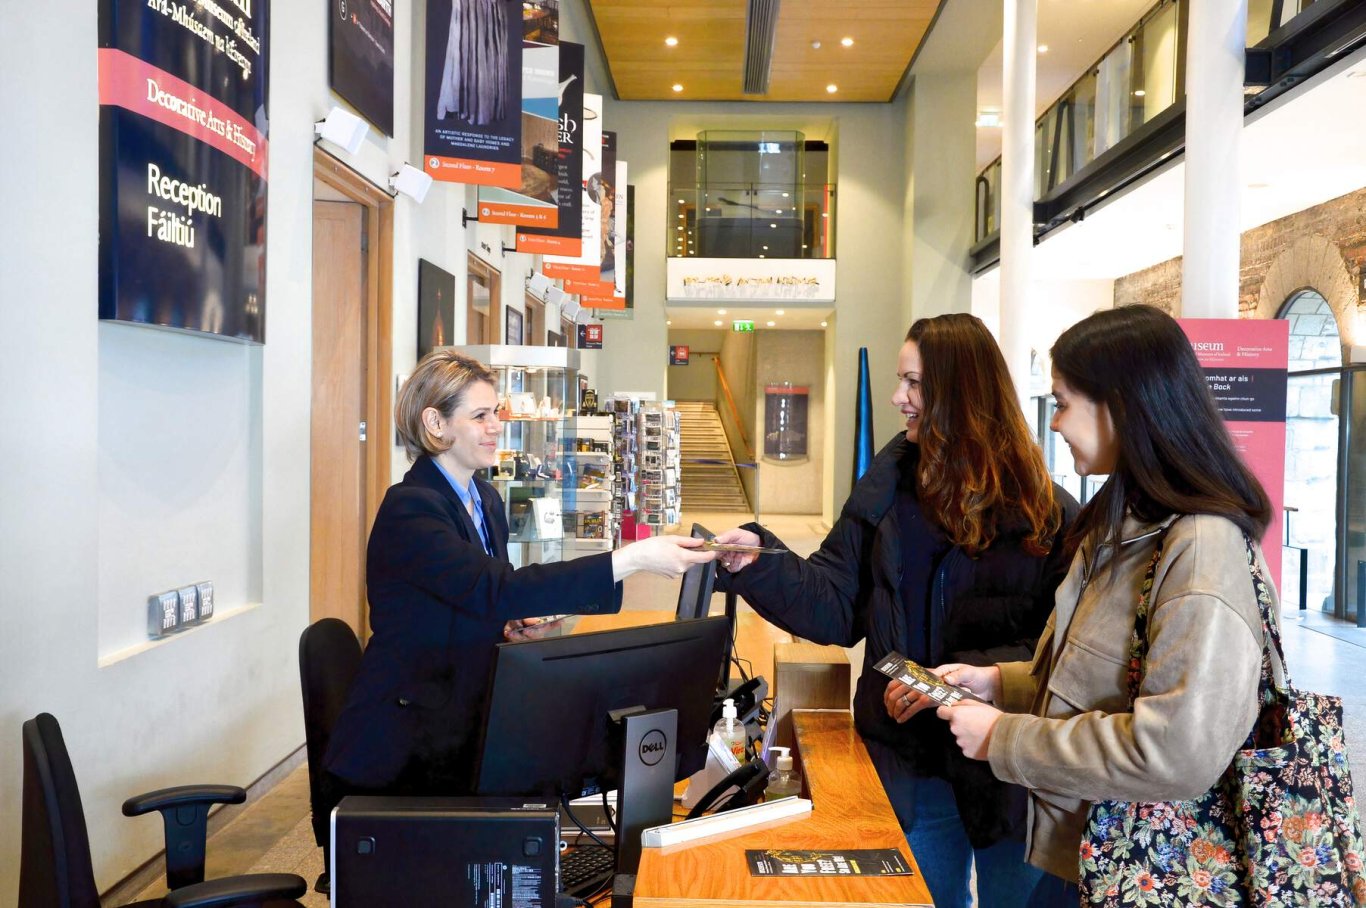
pixel 917 677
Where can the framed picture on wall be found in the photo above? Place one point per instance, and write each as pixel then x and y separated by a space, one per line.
pixel 513 332
pixel 435 307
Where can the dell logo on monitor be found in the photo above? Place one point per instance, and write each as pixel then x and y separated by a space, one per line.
pixel 652 747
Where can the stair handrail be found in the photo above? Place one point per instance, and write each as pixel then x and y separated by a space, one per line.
pixel 734 410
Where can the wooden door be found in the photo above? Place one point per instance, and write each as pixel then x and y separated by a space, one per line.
pixel 339 468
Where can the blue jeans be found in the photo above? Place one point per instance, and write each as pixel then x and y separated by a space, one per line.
pixel 928 814
pixel 1054 892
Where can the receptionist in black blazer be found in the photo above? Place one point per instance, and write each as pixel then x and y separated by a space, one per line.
pixel 442 592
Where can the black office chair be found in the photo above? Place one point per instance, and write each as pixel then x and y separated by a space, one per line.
pixel 54 865
pixel 329 657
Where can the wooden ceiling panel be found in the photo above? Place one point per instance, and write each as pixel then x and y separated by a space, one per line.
pixel 709 58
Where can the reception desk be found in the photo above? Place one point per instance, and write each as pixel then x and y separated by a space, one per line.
pixel 849 810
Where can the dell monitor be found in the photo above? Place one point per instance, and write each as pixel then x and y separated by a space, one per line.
pixel 546 724
pixel 694 593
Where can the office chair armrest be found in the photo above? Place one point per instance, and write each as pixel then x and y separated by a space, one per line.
pixel 185 813
pixel 253 889
pixel 182 796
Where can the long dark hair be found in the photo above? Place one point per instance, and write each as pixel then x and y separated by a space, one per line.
pixel 979 464
pixel 1175 454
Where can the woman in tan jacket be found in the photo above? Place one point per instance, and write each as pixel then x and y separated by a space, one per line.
pixel 1131 403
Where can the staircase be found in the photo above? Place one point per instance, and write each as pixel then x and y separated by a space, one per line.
pixel 707 487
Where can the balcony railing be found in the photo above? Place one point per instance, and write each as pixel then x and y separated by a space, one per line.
pixel 752 220
pixel 1135 93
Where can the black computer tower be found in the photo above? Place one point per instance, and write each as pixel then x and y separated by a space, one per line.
pixel 451 852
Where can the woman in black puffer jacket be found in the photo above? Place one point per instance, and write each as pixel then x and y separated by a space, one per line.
pixel 949 549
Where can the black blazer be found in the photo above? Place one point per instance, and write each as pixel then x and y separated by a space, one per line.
pixel 438 604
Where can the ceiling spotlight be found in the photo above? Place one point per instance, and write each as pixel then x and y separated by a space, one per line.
pixel 823 324
pixel 668 322
pixel 771 324
pixel 832 88
pixel 720 311
pixel 671 41
pixel 765 248
pixel 779 211
pixel 717 323
pixel 774 226
pixel 681 202
pixel 847 42
pixel 1140 93
pixel 778 312
pixel 815 45
pixel 785 195
pixel 678 86
pixel 1043 48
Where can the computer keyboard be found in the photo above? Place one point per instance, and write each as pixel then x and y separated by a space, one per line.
pixel 585 870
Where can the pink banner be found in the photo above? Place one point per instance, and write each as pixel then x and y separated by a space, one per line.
pixel 1245 363
pixel 133 84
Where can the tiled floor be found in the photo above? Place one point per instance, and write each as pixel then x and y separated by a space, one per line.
pixel 274 834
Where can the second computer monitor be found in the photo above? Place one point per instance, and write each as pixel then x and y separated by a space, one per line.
pixel 694 593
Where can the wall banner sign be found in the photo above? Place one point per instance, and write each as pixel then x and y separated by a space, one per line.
pixel 564 238
pixel 474 92
pixel 360 64
pixel 533 203
pixel 590 337
pixel 183 164
pixel 678 355
pixel 1245 362
pixel 744 280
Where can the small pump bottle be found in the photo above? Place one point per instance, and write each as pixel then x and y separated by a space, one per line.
pixel 784 781
pixel 731 732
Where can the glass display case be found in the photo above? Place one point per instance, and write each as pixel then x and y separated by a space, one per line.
pixel 542 461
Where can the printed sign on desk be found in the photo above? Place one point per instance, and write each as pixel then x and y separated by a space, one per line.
pixel 1245 363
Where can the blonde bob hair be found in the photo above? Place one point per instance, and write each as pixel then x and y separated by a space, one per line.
pixel 439 381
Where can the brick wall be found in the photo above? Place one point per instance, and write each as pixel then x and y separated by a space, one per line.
pixel 1323 247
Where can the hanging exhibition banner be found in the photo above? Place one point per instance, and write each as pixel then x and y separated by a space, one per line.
pixel 534 202
pixel 587 264
pixel 360 64
pixel 628 274
pixel 564 238
pixel 603 186
pixel 1245 362
pixel 183 152
pixel 474 90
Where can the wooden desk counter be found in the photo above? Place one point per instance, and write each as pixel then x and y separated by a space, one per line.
pixel 849 811
pixel 755 637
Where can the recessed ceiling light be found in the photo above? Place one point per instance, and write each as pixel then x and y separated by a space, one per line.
pixel 825 214
pixel 682 217
pixel 717 323
pixel 778 312
pixel 765 248
pixel 1043 48
pixel 784 195
pixel 720 311
pixel 847 42
pixel 779 211
pixel 763 256
pixel 771 324
pixel 678 86
pixel 832 88
pixel 671 41
pixel 815 45
pixel 669 322
pixel 681 202
pixel 822 324
pixel 774 226
pixel 1139 93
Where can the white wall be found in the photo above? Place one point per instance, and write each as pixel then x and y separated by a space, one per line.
pixel 133 460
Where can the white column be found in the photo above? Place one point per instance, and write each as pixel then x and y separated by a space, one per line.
pixel 1017 187
pixel 943 167
pixel 1214 126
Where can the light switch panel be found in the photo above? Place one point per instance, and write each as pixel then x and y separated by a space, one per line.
pixel 189 605
pixel 205 588
pixel 163 614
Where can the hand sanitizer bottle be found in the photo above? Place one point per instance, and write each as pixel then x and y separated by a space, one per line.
pixel 729 729
pixel 784 781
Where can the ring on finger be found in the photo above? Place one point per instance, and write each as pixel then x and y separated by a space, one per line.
pixel 905 700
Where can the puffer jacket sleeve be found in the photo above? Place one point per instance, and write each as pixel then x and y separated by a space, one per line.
pixel 822 598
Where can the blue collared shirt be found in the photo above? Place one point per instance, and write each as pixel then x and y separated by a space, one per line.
pixel 466 495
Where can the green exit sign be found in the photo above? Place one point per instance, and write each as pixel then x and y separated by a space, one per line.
pixel 742 324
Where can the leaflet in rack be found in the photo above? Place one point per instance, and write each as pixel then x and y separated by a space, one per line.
pixel 917 677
